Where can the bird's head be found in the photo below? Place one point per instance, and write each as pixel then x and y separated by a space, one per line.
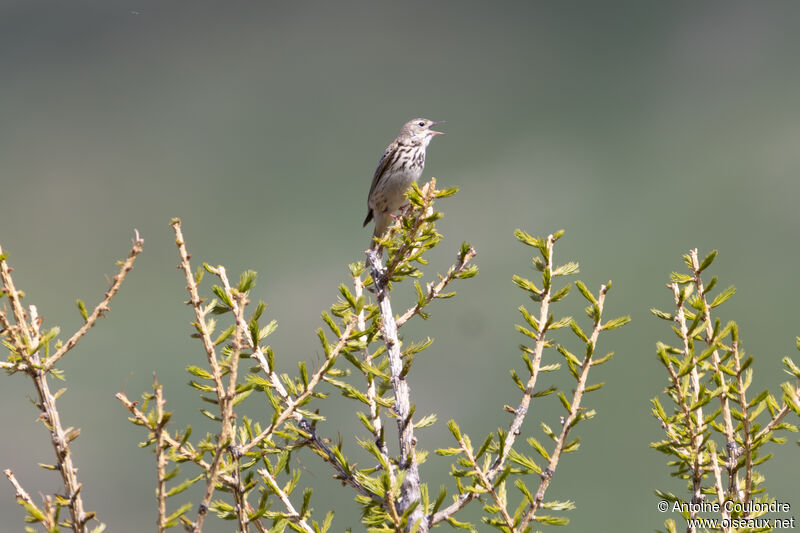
pixel 420 130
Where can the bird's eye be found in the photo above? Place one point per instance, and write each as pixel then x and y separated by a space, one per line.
pixel 421 124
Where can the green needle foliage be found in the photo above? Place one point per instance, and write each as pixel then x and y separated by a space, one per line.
pixel 246 459
pixel 30 353
pixel 717 430
pixel 368 363
pixel 243 467
pixel 392 488
pixel 488 470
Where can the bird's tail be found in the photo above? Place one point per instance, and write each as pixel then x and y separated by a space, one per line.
pixel 382 223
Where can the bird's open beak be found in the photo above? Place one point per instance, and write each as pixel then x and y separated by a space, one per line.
pixel 432 132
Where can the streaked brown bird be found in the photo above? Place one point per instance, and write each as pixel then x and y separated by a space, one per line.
pixel 401 164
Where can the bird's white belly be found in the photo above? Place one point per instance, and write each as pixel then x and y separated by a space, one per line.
pixel 394 190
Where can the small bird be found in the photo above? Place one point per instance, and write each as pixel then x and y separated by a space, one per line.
pixel 400 165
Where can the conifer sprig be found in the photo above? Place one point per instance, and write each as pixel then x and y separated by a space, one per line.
pixel 715 452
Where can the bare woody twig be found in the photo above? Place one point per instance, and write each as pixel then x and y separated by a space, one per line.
pixel 575 407
pixel 227 401
pixel 238 490
pixel 224 398
pixel 780 414
pixel 161 458
pixel 22 494
pixel 695 428
pixel 60 439
pixel 103 306
pixel 522 409
pixel 181 452
pixel 747 444
pixel 487 485
pixel 434 290
pixel 13 296
pixel 342 474
pixel 294 516
pixel 728 377
pixel 49 521
pixel 292 404
pixel 197 304
pixel 730 435
pixel 226 395
pixel 398 258
pixel 410 488
pixel 27 339
pixel 374 409
pixel 718 485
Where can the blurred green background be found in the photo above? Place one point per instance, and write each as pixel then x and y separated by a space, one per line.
pixel 643 129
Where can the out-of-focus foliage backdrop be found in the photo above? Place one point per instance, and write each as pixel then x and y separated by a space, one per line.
pixel 642 129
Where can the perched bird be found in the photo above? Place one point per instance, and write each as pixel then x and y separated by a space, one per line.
pixel 401 164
